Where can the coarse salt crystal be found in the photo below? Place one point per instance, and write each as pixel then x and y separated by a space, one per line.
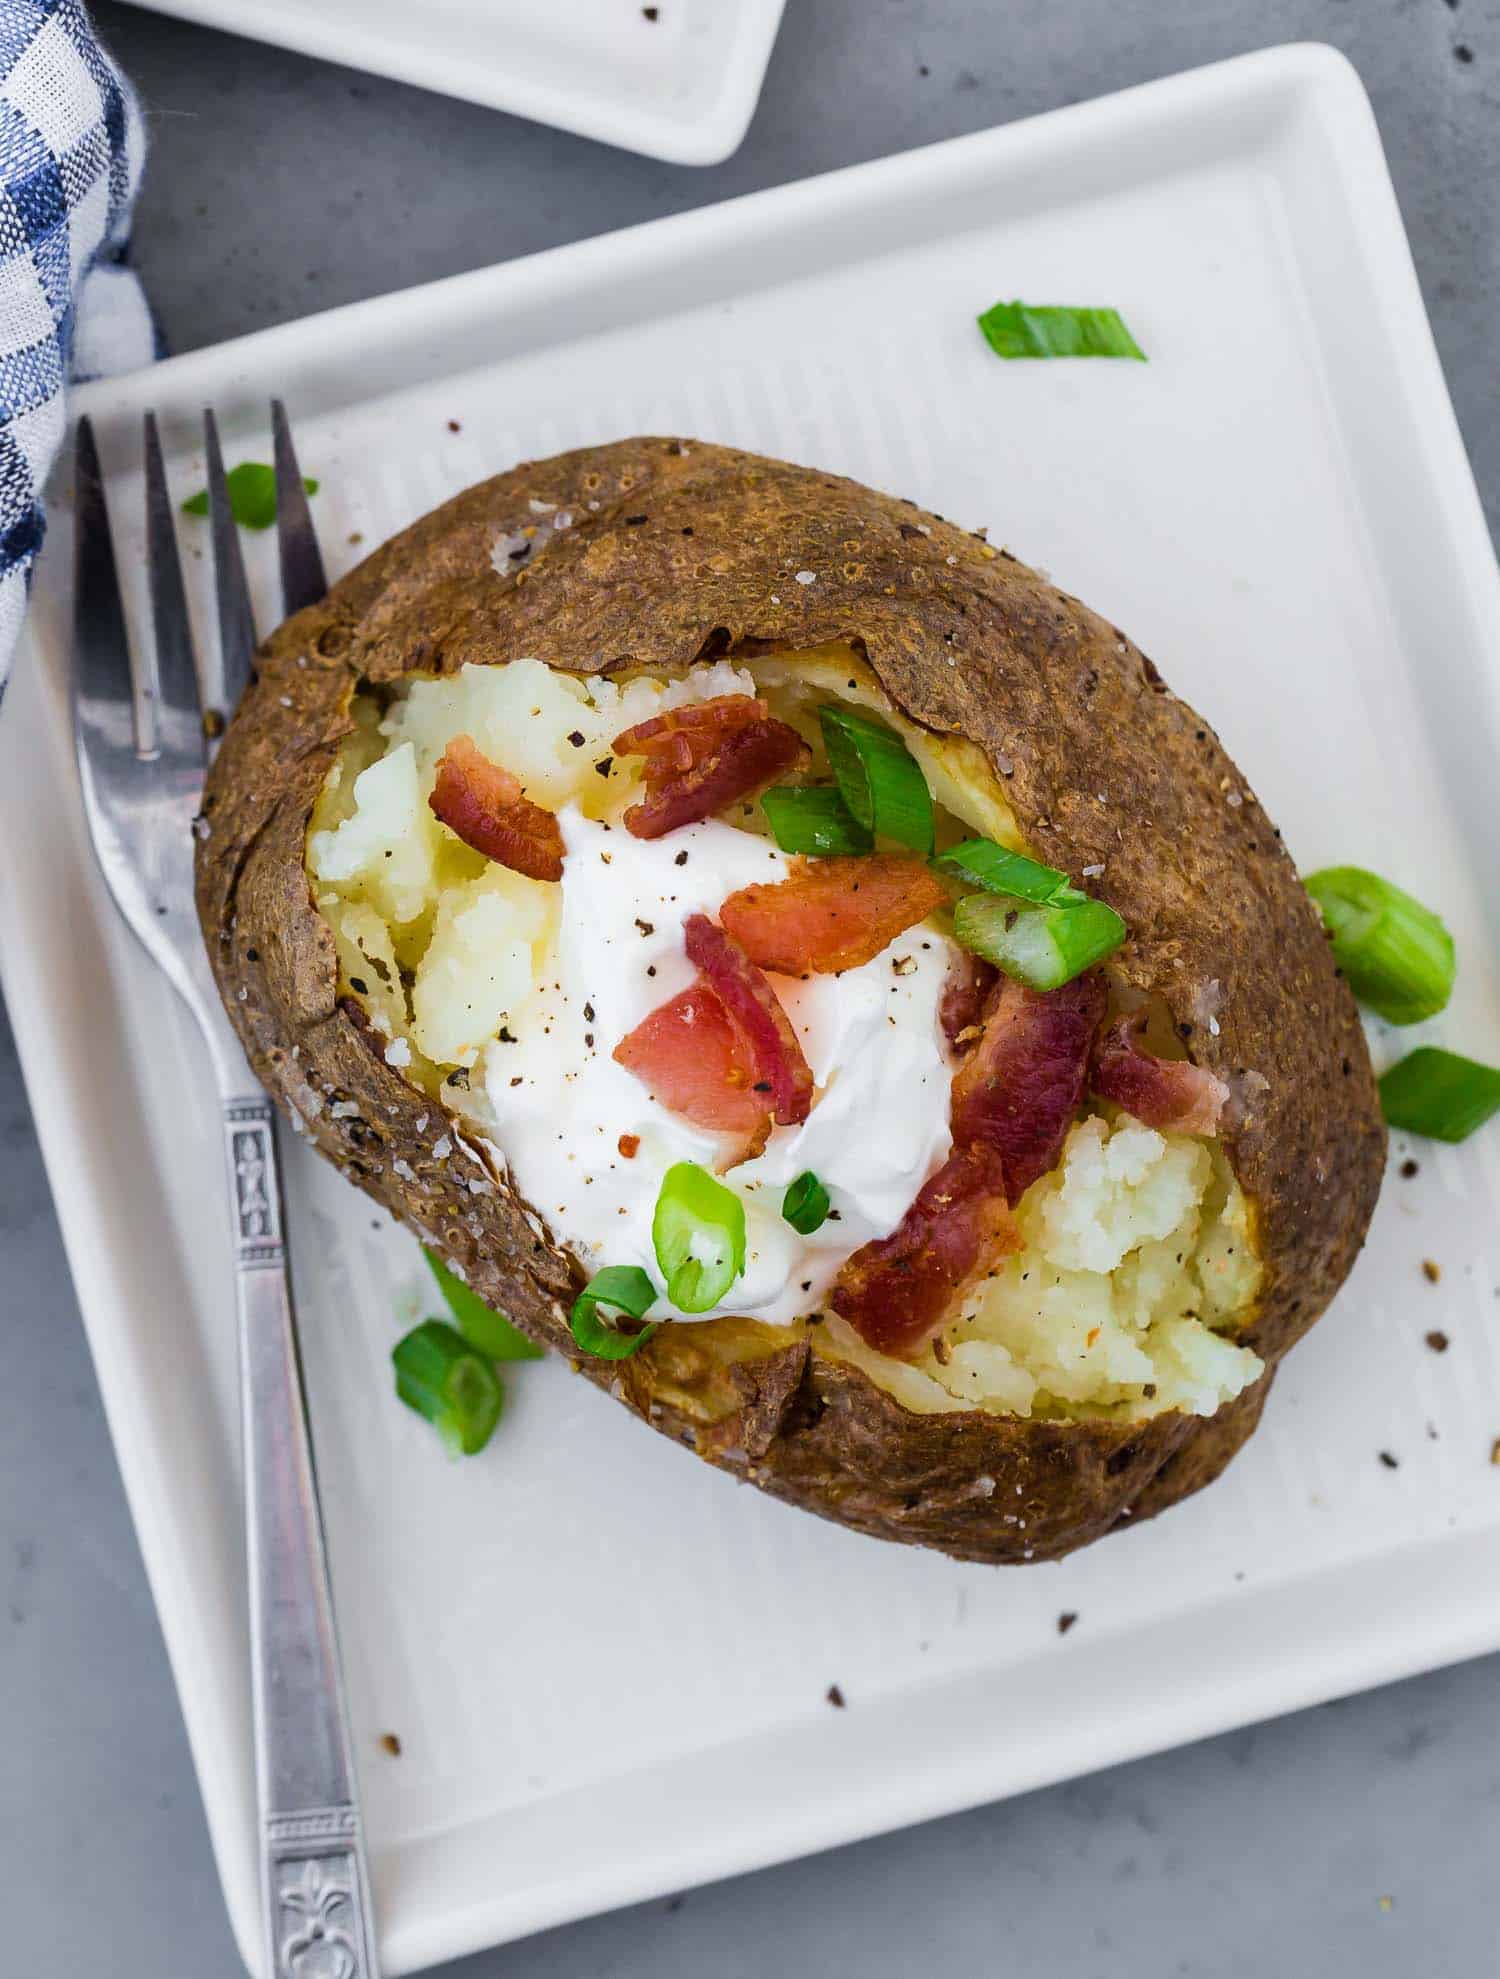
pixel 344 1109
pixel 398 1052
pixel 807 577
pixel 404 1169
pixel 442 1148
pixel 1092 872
pixel 539 507
pixel 421 1122
pixel 563 519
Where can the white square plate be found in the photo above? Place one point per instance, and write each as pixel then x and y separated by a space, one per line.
pixel 606 1665
pixel 682 86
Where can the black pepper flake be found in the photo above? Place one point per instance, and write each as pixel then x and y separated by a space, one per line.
pixel 834 1216
pixel 1463 52
pixel 1066 1620
pixel 588 1039
pixel 634 521
pixel 650 968
pixel 1391 1463
pixel 588 1013
pixel 507 1036
pixel 454 427
pixel 359 985
pixel 1410 1168
pixel 761 1086
pixel 576 738
pixel 835 1697
pixel 388 1740
pixel 253 955
pixel 1437 1340
pixel 680 860
pixel 605 765
pixel 460 1078
pixel 646 927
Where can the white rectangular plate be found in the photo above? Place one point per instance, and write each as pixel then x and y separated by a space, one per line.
pixel 607 1665
pixel 681 87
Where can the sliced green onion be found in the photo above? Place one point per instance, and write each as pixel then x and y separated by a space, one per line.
pixel 998 870
pixel 813 818
pixel 699 1234
pixel 1042 947
pixel 1396 953
pixel 251 488
pixel 878 777
pixel 1026 329
pixel 805 1204
pixel 441 1376
pixel 1439 1094
pixel 623 1288
pixel 491 1332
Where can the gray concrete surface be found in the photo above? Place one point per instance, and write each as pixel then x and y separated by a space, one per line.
pixel 1360 1839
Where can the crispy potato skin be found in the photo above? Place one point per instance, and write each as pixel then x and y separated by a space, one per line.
pixel 677 552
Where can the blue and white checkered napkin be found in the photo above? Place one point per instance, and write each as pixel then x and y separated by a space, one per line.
pixel 71 149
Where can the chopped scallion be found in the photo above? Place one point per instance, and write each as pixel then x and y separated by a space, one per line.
pixel 1025 329
pixel 1042 947
pixel 1439 1094
pixel 442 1377
pixel 251 488
pixel 999 870
pixel 1396 953
pixel 878 777
pixel 812 818
pixel 623 1288
pixel 805 1204
pixel 699 1235
pixel 491 1332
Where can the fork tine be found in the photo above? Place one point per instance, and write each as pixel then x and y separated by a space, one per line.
pixel 302 579
pixel 179 720
pixel 236 621
pixel 103 678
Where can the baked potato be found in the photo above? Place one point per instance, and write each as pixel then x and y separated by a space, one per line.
pixel 1006 1338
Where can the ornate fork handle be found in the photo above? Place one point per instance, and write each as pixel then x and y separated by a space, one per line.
pixel 315 1888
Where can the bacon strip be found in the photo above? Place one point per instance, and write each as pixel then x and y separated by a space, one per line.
pixel 831 914
pixel 703 756
pixel 970 980
pixel 486 807
pixel 1169 1094
pixel 776 1051
pixel 1020 1088
pixel 898 1290
pixel 694 1059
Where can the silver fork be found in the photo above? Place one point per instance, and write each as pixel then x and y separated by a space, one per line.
pixel 143 744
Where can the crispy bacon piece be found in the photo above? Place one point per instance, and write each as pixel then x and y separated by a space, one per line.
pixel 1169 1094
pixel 487 808
pixel 703 756
pixel 692 1057
pixel 780 1067
pixel 831 914
pixel 970 980
pixel 1021 1086
pixel 898 1290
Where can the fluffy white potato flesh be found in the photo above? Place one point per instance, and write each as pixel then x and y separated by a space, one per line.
pixel 1139 1254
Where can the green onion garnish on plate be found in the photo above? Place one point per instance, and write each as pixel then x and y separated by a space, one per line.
pixel 878 777
pixel 1042 947
pixel 1439 1094
pixel 998 870
pixel 251 488
pixel 699 1234
pixel 1396 953
pixel 805 1205
pixel 1027 329
pixel 813 819
pixel 442 1377
pixel 621 1288
pixel 491 1332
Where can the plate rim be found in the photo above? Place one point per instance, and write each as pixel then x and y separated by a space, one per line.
pixel 1324 82
pixel 708 137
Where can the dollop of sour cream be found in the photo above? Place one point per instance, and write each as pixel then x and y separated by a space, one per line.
pixel 878 1127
